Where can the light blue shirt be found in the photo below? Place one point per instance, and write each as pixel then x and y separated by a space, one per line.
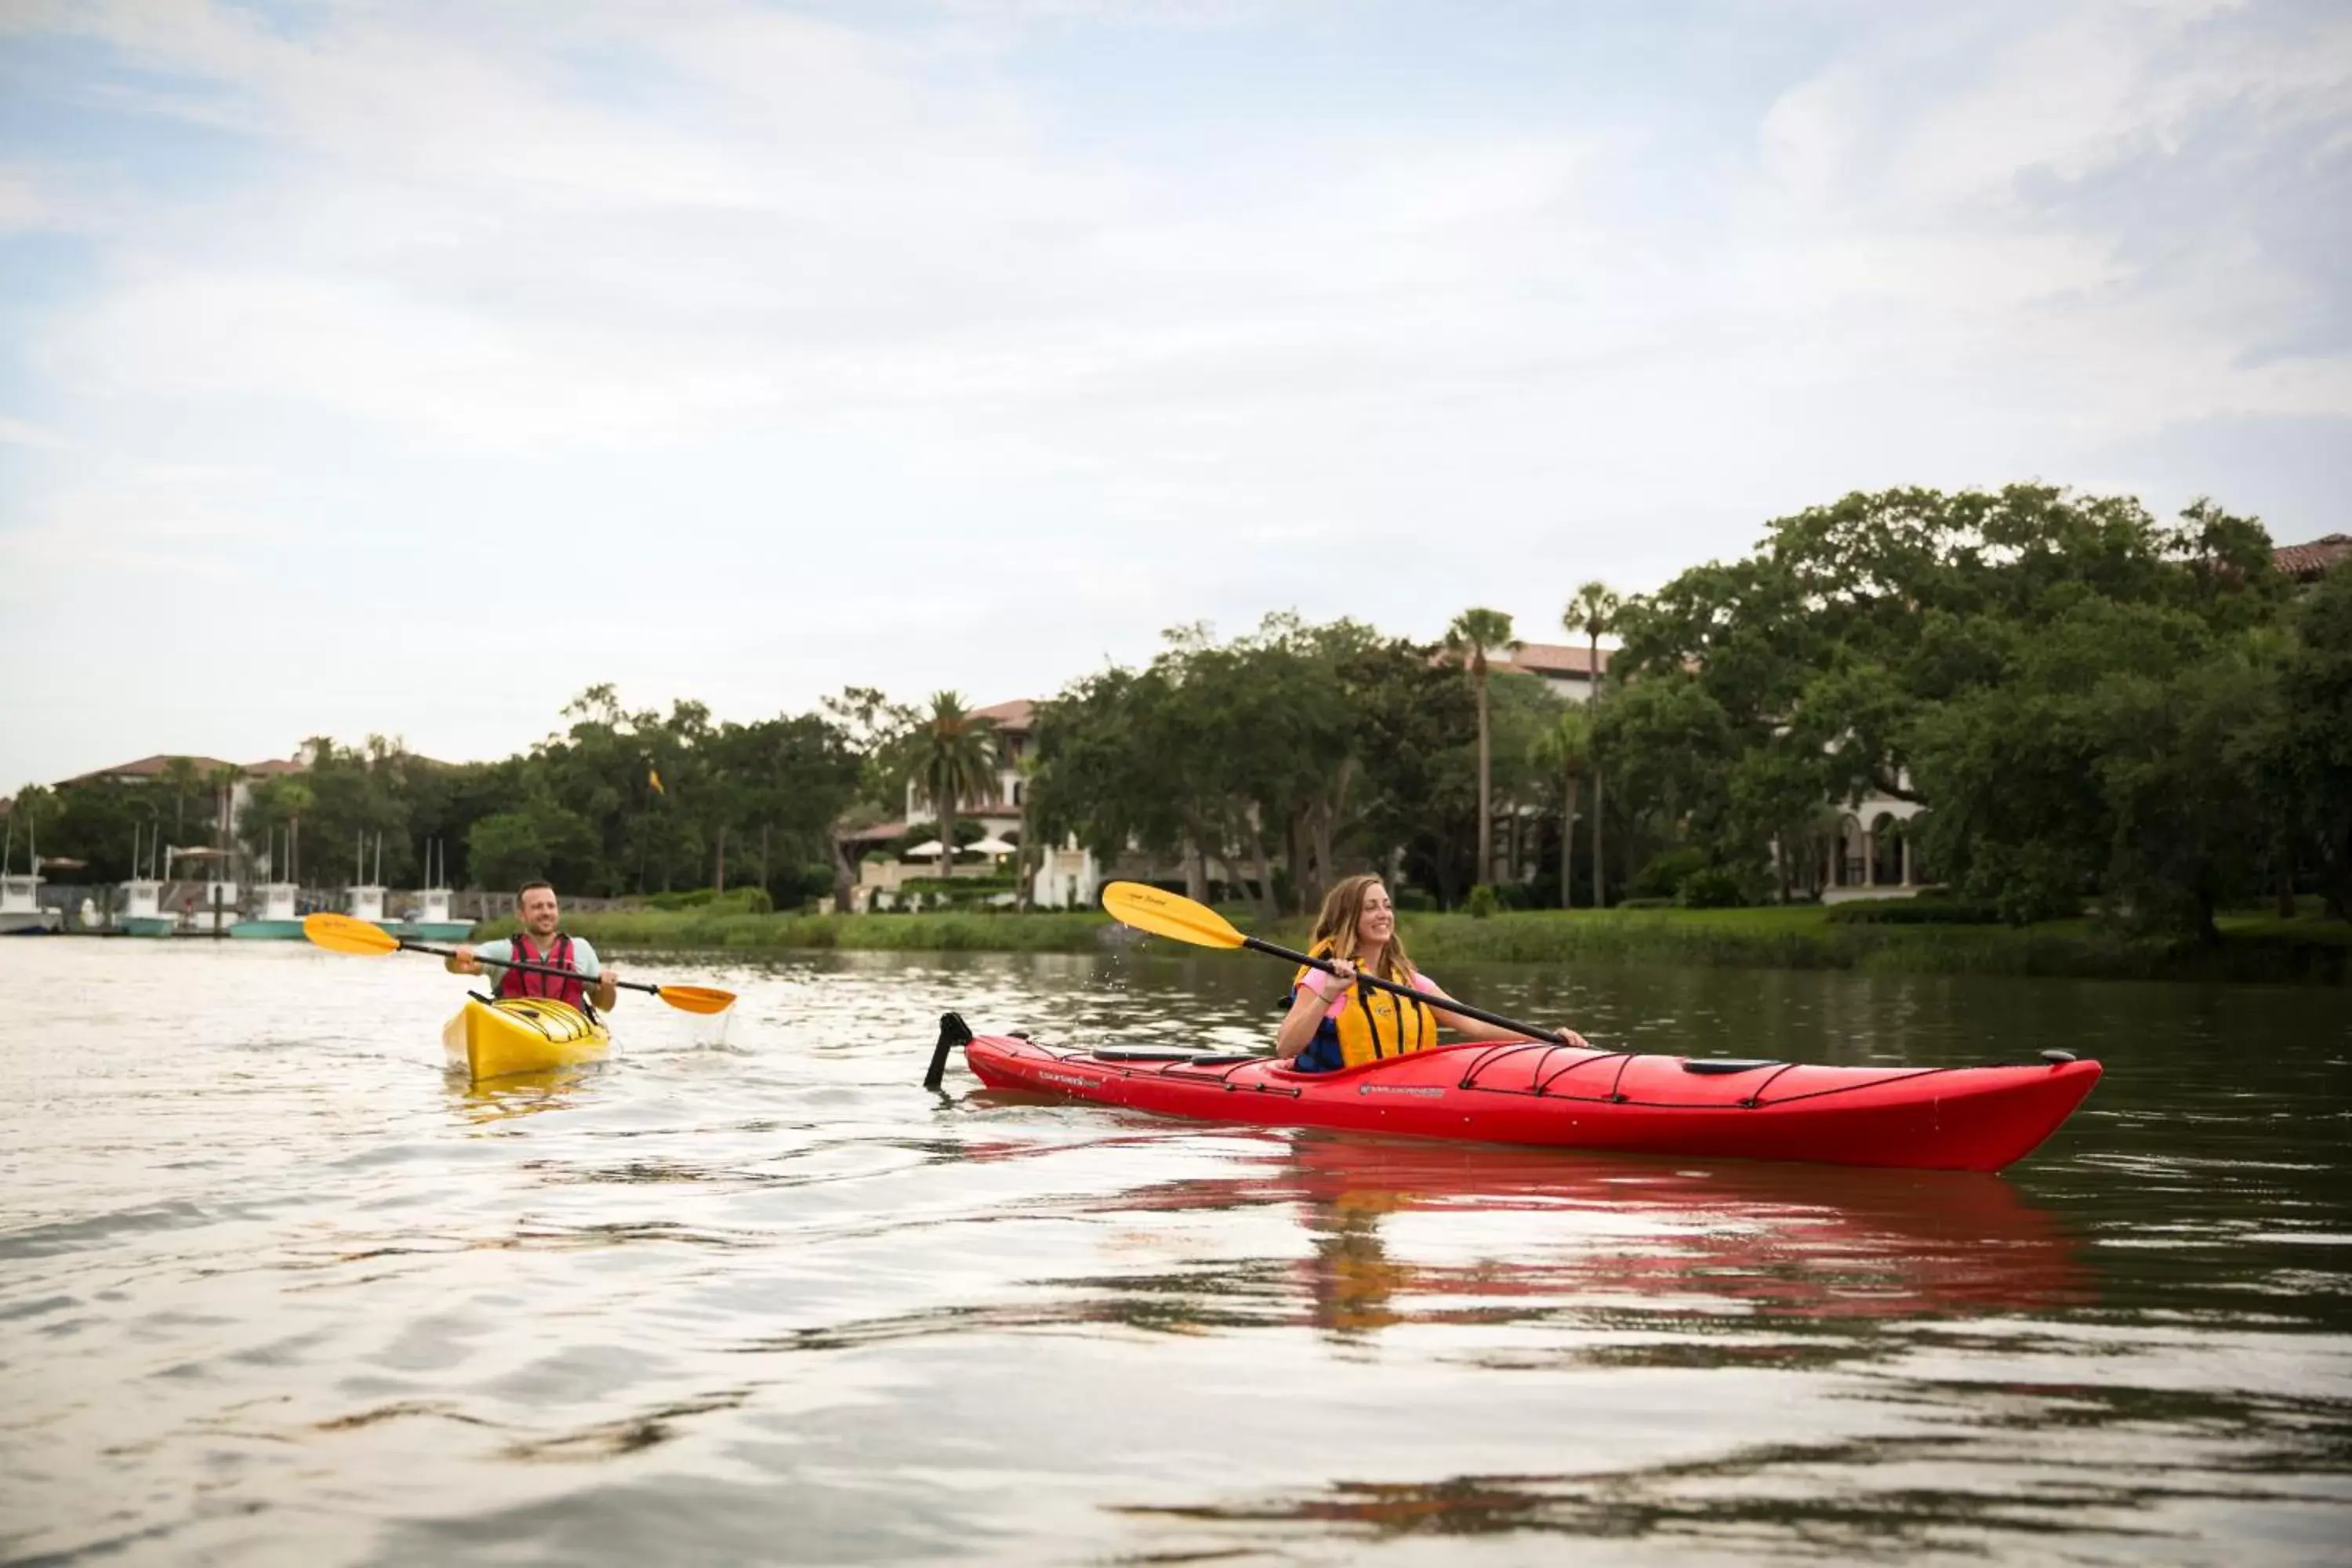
pixel 583 957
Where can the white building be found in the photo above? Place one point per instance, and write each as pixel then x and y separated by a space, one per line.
pixel 1065 876
pixel 1874 856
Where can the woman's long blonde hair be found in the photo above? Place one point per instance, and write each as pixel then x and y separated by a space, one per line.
pixel 1335 928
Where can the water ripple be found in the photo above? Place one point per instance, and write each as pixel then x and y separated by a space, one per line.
pixel 273 1288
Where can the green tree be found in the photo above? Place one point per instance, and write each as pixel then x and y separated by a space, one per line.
pixel 1260 758
pixel 2306 752
pixel 1473 635
pixel 541 840
pixel 222 783
pixel 1565 751
pixel 97 822
pixel 872 727
pixel 1027 853
pixel 950 756
pixel 778 784
pixel 349 796
pixel 185 782
pixel 2037 667
pixel 274 807
pixel 32 810
pixel 1593 610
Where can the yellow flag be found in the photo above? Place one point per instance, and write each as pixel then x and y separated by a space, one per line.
pixel 654 779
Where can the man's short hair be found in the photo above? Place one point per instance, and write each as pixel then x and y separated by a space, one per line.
pixel 527 886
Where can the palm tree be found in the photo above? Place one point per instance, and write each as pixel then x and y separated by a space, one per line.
pixel 951 755
pixel 294 798
pixel 223 782
pixel 1593 611
pixel 1473 632
pixel 1026 865
pixel 1567 746
pixel 183 778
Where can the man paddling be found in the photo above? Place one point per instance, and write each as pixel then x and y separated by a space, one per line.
pixel 540 941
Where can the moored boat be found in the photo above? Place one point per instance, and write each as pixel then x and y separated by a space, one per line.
pixel 22 914
pixel 1540 1093
pixel 430 920
pixel 521 1034
pixel 278 921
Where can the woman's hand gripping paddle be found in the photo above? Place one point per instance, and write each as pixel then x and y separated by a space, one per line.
pixel 1180 919
pixel 343 933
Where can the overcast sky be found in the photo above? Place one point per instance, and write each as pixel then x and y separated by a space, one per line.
pixel 407 367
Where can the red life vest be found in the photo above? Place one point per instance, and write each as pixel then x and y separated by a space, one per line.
pixel 524 983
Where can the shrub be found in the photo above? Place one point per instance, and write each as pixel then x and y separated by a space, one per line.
pixel 1483 902
pixel 1643 903
pixel 1663 877
pixel 1711 887
pixel 747 899
pixel 792 886
pixel 957 885
pixel 1413 900
pixel 1913 912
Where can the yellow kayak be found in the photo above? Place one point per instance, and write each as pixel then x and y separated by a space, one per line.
pixel 521 1034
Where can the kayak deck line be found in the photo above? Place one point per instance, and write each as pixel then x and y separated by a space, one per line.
pixel 1937 1118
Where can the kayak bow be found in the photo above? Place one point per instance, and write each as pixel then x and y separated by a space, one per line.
pixel 521 1034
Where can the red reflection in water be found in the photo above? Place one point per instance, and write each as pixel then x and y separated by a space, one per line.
pixel 1787 1240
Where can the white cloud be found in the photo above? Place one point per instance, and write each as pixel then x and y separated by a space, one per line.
pixel 24 433
pixel 836 307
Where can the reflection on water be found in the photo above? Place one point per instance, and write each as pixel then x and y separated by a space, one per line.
pixel 1404 1232
pixel 272 1286
pixel 521 1093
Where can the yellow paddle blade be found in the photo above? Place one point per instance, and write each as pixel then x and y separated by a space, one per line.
pixel 341 933
pixel 1168 914
pixel 696 998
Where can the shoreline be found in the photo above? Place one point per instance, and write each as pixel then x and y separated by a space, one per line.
pixel 2254 950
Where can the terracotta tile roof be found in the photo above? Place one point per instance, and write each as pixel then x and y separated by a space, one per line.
pixel 152 768
pixel 1557 660
pixel 149 768
pixel 1553 658
pixel 2306 561
pixel 1015 715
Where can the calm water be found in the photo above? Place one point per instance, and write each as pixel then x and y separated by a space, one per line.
pixel 273 1289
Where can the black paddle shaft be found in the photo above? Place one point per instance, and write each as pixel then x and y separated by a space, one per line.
pixel 561 973
pixel 1423 998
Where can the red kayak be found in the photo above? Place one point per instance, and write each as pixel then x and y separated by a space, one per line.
pixel 1933 1119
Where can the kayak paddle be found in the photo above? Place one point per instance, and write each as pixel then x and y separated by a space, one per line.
pixel 1173 915
pixel 343 933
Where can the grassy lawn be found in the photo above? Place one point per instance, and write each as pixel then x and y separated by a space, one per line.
pixel 2255 946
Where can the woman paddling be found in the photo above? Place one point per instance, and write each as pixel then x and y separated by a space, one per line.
pixel 1334 1022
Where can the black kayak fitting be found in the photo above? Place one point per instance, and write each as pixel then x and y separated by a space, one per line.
pixel 953 1032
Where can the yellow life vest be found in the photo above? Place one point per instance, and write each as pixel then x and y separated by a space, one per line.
pixel 1374 1024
